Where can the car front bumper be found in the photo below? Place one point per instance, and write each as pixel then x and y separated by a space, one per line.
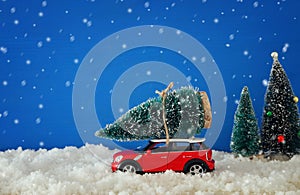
pixel 114 166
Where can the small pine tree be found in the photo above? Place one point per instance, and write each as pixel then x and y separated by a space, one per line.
pixel 280 122
pixel 245 137
pixel 184 117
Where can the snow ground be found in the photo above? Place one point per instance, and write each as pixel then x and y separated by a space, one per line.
pixel 86 171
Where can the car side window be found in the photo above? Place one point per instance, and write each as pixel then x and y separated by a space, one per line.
pixel 179 146
pixel 195 146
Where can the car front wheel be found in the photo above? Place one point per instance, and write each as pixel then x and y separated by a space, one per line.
pixel 129 167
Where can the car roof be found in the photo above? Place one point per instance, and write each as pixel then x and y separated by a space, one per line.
pixel 191 140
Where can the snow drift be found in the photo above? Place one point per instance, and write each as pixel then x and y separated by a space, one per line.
pixel 87 171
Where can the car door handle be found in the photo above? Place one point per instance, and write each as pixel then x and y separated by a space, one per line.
pixel 187 156
pixel 163 157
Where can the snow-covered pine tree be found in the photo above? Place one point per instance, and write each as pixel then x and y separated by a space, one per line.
pixel 184 112
pixel 245 134
pixel 280 121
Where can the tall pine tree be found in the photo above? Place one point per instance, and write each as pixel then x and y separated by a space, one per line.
pixel 245 137
pixel 280 121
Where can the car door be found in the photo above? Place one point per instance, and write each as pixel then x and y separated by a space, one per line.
pixel 155 159
pixel 178 155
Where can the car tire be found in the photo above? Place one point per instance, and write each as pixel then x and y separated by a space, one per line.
pixel 195 167
pixel 130 167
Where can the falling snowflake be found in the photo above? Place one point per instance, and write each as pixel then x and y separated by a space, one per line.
pixel 216 20
pixel 72 38
pixel 5 113
pixel 285 48
pixel 48 39
pixel 16 121
pixel 246 52
pixel 146 4
pixel 3 50
pixel 23 83
pixel 40 44
pixel 265 82
pixel 255 4
pixel 148 72
pixel 231 36
pixel 68 83
pixel 161 31
pixel 40 106
pixel 188 79
pixel 12 10
pixel 38 120
pixel 129 10
pixel 4 83
pixel 44 3
pixel 203 59
pixel 16 22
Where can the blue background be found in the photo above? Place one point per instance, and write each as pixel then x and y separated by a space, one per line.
pixel 42 44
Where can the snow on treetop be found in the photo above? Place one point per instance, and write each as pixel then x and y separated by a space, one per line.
pixel 274 55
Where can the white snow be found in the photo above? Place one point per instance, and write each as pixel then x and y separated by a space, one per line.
pixel 67 83
pixel 40 106
pixel 40 44
pixel 285 48
pixel 4 83
pixel 87 171
pixel 3 50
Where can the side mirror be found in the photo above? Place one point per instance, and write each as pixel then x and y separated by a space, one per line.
pixel 148 152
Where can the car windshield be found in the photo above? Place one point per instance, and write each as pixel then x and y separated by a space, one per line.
pixel 142 147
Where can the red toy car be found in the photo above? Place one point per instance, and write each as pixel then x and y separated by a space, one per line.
pixel 181 155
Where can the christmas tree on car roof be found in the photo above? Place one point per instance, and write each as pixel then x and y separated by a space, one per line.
pixel 178 113
pixel 280 121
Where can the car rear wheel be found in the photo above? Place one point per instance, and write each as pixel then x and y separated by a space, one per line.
pixel 195 168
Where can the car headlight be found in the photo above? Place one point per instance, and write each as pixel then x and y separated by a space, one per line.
pixel 118 158
pixel 137 157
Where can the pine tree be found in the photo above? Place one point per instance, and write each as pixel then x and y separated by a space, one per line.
pixel 280 122
pixel 184 118
pixel 245 137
